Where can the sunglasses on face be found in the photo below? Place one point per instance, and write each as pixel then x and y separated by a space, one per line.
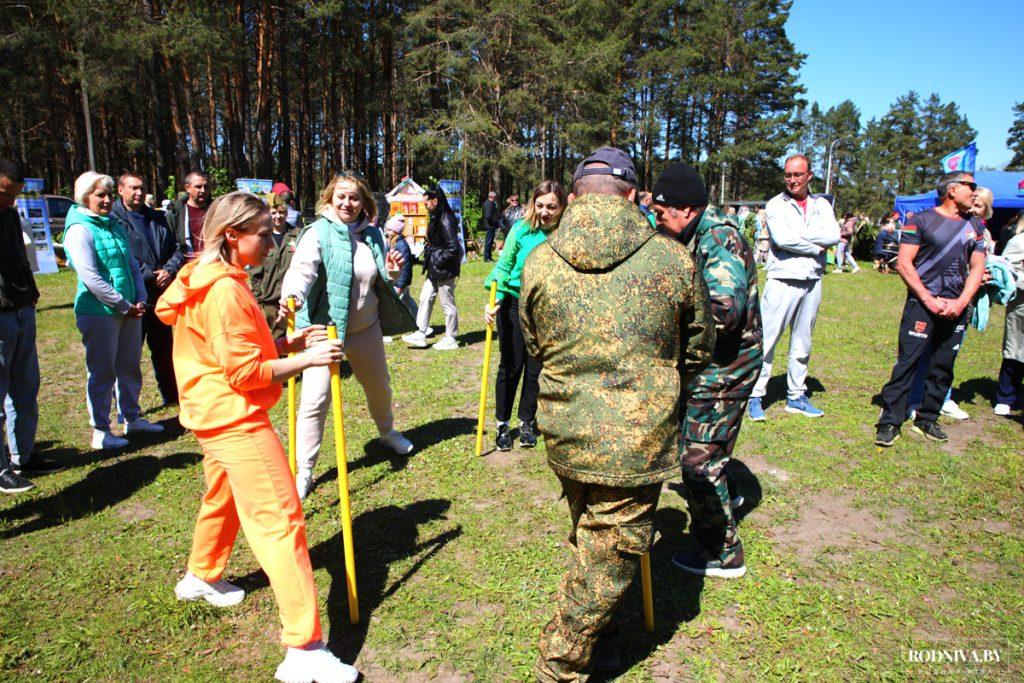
pixel 973 186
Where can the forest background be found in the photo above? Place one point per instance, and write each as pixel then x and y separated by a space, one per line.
pixel 497 93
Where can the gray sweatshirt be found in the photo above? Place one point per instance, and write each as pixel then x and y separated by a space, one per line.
pixel 797 239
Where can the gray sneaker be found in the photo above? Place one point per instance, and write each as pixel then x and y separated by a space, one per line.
pixel 14 483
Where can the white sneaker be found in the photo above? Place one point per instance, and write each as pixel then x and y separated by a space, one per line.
pixel 951 409
pixel 387 340
pixel 838 270
pixel 430 332
pixel 396 442
pixel 317 664
pixel 446 344
pixel 143 427
pixel 303 481
pixel 856 269
pixel 1002 409
pixel 102 440
pixel 220 593
pixel 416 340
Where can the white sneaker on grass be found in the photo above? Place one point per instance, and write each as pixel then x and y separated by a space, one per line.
pixel 102 440
pixel 446 344
pixel 141 426
pixel 303 482
pixel 387 340
pixel 416 340
pixel 397 442
pixel 220 593
pixel 1002 409
pixel 951 409
pixel 317 663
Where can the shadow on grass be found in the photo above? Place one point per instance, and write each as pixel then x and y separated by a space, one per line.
pixel 70 457
pixel 423 437
pixel 100 489
pixel 777 387
pixel 741 481
pixel 56 307
pixel 470 338
pixel 676 596
pixel 382 537
pixel 977 387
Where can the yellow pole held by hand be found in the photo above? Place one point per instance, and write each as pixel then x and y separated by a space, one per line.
pixel 344 505
pixel 291 392
pixel 645 584
pixel 486 371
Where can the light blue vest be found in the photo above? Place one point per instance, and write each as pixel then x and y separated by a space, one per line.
pixel 113 261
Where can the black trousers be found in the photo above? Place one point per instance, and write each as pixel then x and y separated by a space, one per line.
pixel 161 343
pixel 489 242
pixel 919 330
pixel 514 361
pixel 1011 376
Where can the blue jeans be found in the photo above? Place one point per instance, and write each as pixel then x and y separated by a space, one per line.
pixel 19 385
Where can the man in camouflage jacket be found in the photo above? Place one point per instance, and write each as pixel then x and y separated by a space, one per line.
pixel 717 397
pixel 618 317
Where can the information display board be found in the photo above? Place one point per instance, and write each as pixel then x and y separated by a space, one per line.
pixel 32 206
pixel 254 185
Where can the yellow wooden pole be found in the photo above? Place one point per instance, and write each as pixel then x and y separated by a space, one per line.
pixel 645 584
pixel 486 371
pixel 343 503
pixel 291 392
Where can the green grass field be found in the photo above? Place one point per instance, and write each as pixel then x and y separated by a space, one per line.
pixel 857 558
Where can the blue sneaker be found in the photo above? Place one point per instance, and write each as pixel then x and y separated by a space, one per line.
pixel 756 411
pixel 803 406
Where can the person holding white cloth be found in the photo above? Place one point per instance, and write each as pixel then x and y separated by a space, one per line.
pixel 340 273
pixel 802 228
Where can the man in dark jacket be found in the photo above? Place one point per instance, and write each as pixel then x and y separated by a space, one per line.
pixel 185 216
pixel 618 317
pixel 492 223
pixel 159 254
pixel 717 398
pixel 19 363
pixel 442 262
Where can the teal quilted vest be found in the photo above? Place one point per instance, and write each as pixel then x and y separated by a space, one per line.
pixel 113 261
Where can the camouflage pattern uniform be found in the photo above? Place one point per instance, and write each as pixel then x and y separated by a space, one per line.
pixel 619 318
pixel 717 398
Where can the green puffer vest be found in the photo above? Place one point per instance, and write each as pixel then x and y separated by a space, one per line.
pixel 113 261
pixel 328 298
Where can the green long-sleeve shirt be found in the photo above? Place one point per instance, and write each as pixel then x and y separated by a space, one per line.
pixel 508 271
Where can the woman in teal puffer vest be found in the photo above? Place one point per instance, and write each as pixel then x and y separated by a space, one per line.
pixel 542 216
pixel 109 304
pixel 340 272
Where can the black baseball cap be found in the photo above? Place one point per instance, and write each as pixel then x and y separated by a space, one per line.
pixel 615 163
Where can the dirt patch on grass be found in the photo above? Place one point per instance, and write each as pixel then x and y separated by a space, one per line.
pixel 758 464
pixel 135 512
pixel 832 521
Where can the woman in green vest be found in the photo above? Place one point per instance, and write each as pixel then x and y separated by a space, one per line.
pixel 542 216
pixel 341 272
pixel 109 304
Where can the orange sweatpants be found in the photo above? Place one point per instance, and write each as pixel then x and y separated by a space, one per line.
pixel 248 484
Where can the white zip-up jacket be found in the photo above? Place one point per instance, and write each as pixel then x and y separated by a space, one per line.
pixel 797 240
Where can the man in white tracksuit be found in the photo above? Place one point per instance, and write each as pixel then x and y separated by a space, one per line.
pixel 802 227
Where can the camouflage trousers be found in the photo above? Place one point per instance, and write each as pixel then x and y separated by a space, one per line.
pixel 706 489
pixel 611 528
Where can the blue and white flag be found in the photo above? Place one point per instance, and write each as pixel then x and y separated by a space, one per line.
pixel 960 160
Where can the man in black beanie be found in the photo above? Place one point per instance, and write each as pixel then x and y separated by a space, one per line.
pixel 717 397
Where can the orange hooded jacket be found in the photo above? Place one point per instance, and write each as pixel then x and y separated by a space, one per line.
pixel 222 347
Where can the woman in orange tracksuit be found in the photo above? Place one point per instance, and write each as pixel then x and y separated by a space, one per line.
pixel 229 373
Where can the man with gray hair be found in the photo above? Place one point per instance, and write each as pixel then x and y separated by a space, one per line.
pixel 618 316
pixel 942 262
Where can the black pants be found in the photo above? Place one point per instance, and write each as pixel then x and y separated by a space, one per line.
pixel 489 242
pixel 514 360
pixel 919 329
pixel 161 344
pixel 1011 375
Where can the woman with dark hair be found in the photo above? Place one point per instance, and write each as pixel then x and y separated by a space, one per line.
pixel 442 262
pixel 542 216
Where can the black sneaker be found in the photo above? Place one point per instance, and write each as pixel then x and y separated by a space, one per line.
pixel 527 434
pixel 930 430
pixel 503 442
pixel 887 435
pixel 14 483
pixel 704 565
pixel 38 465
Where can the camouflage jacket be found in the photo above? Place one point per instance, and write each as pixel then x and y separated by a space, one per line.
pixel 618 316
pixel 727 263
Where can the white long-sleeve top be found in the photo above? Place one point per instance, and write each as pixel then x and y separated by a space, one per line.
pixel 797 239
pixel 78 244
